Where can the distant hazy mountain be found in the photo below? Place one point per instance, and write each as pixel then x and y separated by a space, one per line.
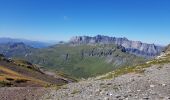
pixel 16 49
pixel 35 44
pixel 134 47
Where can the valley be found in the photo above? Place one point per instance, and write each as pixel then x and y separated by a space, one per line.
pixel 148 81
pixel 80 56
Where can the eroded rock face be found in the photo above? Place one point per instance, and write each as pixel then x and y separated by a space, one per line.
pixel 134 47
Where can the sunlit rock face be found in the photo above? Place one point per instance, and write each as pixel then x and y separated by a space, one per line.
pixel 134 47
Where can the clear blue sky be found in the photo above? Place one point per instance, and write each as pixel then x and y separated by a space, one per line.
pixel 145 20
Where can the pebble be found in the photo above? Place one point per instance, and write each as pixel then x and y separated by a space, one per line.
pixel 146 98
pixel 126 98
pixel 118 96
pixel 138 90
pixel 163 84
pixel 106 98
pixel 152 86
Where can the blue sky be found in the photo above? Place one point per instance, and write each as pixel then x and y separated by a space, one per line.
pixel 144 20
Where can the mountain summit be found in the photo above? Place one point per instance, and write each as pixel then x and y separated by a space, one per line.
pixel 134 47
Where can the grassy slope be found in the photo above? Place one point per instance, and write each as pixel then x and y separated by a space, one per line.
pixel 11 78
pixel 54 58
pixel 22 73
pixel 138 68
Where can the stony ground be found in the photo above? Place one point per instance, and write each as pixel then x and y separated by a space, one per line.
pixel 22 93
pixel 152 84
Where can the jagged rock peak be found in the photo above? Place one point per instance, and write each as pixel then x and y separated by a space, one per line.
pixel 135 47
pixel 95 39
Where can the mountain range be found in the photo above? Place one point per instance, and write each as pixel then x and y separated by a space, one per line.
pixel 134 47
pixel 84 56
pixel 109 64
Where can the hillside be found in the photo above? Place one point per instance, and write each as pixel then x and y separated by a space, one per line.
pixel 20 73
pixel 83 60
pixel 80 61
pixel 148 81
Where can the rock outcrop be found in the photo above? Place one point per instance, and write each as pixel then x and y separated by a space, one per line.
pixel 167 49
pixel 134 47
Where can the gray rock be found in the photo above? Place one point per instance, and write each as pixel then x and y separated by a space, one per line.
pixel 134 47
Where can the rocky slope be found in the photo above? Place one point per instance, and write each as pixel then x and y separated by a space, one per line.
pixel 149 81
pixel 21 80
pixel 135 47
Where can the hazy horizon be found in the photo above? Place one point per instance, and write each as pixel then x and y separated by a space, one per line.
pixel 59 20
pixel 57 41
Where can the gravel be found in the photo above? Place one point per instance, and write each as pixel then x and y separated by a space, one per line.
pixel 153 84
pixel 22 93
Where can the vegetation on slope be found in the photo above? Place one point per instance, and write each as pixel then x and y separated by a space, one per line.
pixel 83 60
pixel 22 73
pixel 137 69
pixel 80 61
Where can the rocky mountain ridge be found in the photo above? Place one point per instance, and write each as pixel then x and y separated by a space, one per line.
pixel 134 47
